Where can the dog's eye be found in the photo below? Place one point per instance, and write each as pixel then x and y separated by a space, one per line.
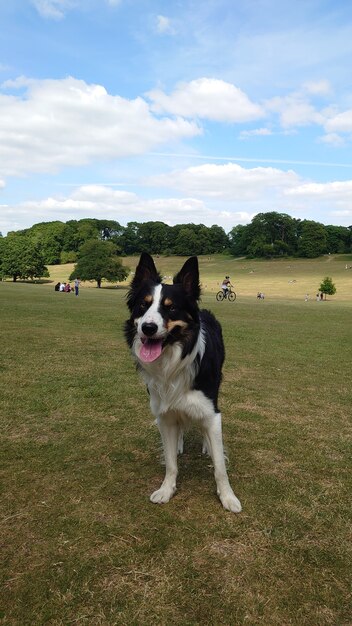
pixel 169 306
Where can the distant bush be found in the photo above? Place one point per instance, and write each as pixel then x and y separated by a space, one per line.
pixel 68 257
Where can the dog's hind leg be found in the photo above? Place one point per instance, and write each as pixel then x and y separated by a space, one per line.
pixel 169 431
pixel 213 438
pixel 204 446
pixel 180 441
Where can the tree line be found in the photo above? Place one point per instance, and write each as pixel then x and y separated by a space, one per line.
pixel 26 253
pixel 277 234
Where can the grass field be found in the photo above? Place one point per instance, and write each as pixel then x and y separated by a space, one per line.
pixel 277 278
pixel 82 544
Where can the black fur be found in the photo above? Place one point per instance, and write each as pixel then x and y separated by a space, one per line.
pixel 184 294
pixel 209 376
pixel 179 352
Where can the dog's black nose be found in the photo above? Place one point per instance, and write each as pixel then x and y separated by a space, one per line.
pixel 149 328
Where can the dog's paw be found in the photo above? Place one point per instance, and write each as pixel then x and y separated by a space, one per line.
pixel 230 502
pixel 162 495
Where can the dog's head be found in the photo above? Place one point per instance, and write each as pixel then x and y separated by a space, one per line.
pixel 162 314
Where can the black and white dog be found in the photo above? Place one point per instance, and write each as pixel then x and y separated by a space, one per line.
pixel 179 352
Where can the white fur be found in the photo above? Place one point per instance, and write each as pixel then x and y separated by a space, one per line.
pixel 175 404
pixel 153 315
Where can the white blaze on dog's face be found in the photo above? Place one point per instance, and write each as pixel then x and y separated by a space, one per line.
pixel 152 315
pixel 150 327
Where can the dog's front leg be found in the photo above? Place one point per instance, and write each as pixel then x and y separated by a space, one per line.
pixel 213 437
pixel 169 432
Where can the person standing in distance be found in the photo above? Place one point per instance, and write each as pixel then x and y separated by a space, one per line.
pixel 77 282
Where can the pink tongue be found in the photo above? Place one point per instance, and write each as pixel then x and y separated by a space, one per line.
pixel 150 350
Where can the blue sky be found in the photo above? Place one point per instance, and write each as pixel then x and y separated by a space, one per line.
pixel 181 111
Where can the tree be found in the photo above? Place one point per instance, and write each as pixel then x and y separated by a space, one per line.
pixel 218 240
pixel 97 260
pixel 21 258
pixel 338 239
pixel 109 229
pixel 327 287
pixel 312 239
pixel 154 237
pixel 268 234
pixel 187 243
pixel 239 240
pixel 129 241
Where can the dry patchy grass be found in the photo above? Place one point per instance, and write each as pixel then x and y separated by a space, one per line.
pixel 81 542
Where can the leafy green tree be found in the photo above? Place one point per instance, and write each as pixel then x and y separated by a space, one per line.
pixel 187 243
pixel 327 287
pixel 87 229
pixel 153 237
pixel 281 248
pixel 68 257
pixel 97 260
pixel 203 234
pixel 129 241
pixel 49 236
pixel 268 234
pixel 312 239
pixel 109 229
pixel 21 258
pixel 338 239
pixel 259 247
pixel 274 226
pixel 239 238
pixel 218 239
pixel 70 241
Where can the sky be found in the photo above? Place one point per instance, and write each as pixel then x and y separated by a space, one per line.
pixel 180 111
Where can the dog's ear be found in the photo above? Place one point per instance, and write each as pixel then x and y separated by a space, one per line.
pixel 145 270
pixel 188 277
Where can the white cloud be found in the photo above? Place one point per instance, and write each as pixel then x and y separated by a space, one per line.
pixel 340 123
pixel 338 193
pixel 343 214
pixel 295 110
pixel 207 98
pixel 52 9
pixel 164 25
pixel 2 184
pixel 229 181
pixel 224 195
pixel 333 139
pixel 256 132
pixel 103 201
pixel 60 123
pixel 318 88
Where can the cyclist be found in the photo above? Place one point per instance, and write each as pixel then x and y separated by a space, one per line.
pixel 226 285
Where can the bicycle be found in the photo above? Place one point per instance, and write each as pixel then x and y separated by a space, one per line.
pixel 230 295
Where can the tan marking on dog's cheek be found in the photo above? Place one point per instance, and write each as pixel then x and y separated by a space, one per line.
pixel 174 323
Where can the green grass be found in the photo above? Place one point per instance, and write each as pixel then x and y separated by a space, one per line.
pixel 83 545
